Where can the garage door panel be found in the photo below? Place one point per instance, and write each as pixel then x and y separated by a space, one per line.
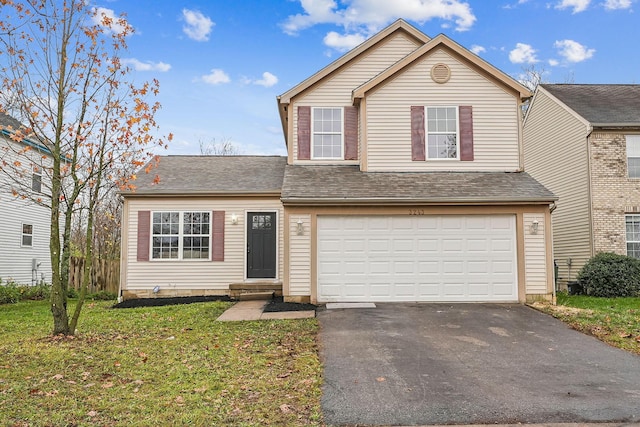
pixel 417 258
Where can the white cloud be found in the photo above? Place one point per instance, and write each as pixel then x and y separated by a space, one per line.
pixel 523 53
pixel 107 19
pixel 267 80
pixel 554 62
pixel 573 51
pixel 477 49
pixel 617 4
pixel 216 77
pixel 368 16
pixel 577 5
pixel 343 43
pixel 146 66
pixel 197 27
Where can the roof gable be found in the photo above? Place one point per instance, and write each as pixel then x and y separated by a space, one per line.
pixel 399 25
pixel 600 104
pixel 443 41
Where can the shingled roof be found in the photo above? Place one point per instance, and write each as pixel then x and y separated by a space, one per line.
pixel 346 184
pixel 212 175
pixel 601 104
pixel 6 121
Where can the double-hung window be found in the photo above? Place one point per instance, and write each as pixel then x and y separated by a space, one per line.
pixel 27 235
pixel 633 155
pixel 442 132
pixel 633 235
pixel 36 182
pixel 181 235
pixel 327 133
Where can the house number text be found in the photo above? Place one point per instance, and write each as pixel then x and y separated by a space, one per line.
pixel 416 211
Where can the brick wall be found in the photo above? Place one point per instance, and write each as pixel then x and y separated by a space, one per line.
pixel 612 193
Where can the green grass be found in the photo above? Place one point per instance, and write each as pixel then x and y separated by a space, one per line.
pixel 615 321
pixel 171 365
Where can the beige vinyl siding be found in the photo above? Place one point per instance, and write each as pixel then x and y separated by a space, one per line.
pixel 196 275
pixel 299 256
pixel 535 255
pixel 335 90
pixel 555 152
pixel 495 118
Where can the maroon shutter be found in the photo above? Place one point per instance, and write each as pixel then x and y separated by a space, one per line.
pixel 351 133
pixel 218 236
pixel 304 133
pixel 417 133
pixel 466 133
pixel 144 229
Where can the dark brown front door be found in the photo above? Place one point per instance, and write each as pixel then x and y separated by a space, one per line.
pixel 261 245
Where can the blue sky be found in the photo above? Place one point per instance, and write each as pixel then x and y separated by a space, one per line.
pixel 221 64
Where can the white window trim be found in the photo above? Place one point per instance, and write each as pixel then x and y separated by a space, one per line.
pixel 180 237
pixel 341 156
pixel 626 240
pixel 426 133
pixel 23 234
pixel 626 147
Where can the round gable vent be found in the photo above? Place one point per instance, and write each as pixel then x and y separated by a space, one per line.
pixel 440 73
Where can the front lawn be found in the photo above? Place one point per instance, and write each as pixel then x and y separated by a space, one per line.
pixel 171 365
pixel 615 321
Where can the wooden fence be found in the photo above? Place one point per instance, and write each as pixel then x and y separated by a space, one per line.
pixel 105 274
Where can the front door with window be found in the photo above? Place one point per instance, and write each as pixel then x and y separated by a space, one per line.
pixel 261 245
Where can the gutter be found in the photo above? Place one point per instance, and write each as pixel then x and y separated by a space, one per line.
pixel 273 193
pixel 413 202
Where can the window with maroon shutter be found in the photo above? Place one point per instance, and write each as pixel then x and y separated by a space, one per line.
pixel 218 236
pixel 351 133
pixel 417 133
pixel 144 229
pixel 304 133
pixel 466 133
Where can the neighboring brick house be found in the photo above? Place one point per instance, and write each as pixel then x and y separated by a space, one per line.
pixel 403 182
pixel 583 143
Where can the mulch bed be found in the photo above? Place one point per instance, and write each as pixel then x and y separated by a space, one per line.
pixel 274 306
pixel 157 302
pixel 277 304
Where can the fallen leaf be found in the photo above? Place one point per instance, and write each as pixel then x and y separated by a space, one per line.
pixel 107 385
pixel 92 413
pixel 180 400
pixel 117 364
pixel 285 409
pixel 57 377
pixel 624 335
pixel 380 379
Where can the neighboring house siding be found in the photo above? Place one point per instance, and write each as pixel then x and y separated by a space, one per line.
pixel 555 152
pixel 16 261
pixel 179 277
pixel 613 194
pixel 535 255
pixel 299 256
pixel 335 91
pixel 388 118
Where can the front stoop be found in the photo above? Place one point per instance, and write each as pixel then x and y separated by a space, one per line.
pixel 255 290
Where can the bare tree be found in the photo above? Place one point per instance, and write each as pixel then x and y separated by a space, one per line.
pixel 225 147
pixel 61 63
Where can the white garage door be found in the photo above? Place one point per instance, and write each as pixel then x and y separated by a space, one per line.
pixel 417 258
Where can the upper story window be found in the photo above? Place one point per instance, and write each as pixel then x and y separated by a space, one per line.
pixel 633 155
pixel 36 182
pixel 442 132
pixel 327 132
pixel 181 235
pixel 27 235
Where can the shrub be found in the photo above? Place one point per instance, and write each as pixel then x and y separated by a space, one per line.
pixel 36 293
pixel 72 293
pixel 103 296
pixel 9 293
pixel 611 275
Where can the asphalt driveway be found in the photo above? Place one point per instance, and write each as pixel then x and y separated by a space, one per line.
pixel 408 364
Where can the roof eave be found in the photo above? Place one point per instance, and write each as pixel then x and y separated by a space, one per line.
pixel 422 202
pixel 181 194
pixel 616 125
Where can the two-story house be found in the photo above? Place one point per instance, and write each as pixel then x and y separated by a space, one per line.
pixel 24 223
pixel 583 143
pixel 403 182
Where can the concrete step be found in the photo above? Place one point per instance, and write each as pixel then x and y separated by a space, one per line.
pixel 236 289
pixel 252 296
